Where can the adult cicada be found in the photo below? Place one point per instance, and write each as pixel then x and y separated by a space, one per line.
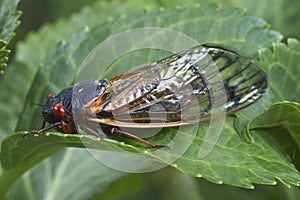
pixel 181 89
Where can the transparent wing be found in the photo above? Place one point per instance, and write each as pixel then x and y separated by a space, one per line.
pixel 185 88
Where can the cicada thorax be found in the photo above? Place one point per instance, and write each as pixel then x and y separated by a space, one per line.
pixel 89 97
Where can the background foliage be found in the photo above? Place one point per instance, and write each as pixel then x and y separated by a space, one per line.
pixel 69 37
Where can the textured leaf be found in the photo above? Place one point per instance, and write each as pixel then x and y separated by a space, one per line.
pixel 285 114
pixel 3 55
pixel 67 167
pixel 278 121
pixel 282 66
pixel 282 122
pixel 281 15
pixel 271 10
pixel 8 23
pixel 8 18
pixel 229 161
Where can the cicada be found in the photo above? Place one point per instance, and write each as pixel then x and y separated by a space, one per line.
pixel 181 89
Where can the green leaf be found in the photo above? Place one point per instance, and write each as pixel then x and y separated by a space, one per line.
pixel 15 148
pixel 230 161
pixel 283 114
pixel 281 121
pixel 17 158
pixel 282 68
pixel 261 192
pixel 8 18
pixel 8 23
pixel 181 186
pixel 3 55
pixel 280 14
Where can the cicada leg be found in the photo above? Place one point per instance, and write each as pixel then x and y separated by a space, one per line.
pixel 91 131
pixel 116 131
pixel 43 129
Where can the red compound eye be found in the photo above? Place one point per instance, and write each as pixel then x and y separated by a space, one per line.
pixel 49 95
pixel 58 110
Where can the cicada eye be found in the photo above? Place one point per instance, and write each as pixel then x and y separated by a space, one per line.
pixel 49 95
pixel 59 110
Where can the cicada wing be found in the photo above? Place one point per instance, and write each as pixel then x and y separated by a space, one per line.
pixel 193 85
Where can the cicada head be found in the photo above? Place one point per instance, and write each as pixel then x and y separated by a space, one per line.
pixel 72 103
pixel 58 108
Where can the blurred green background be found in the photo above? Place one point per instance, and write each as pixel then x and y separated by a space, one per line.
pixel 283 15
pixel 37 12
